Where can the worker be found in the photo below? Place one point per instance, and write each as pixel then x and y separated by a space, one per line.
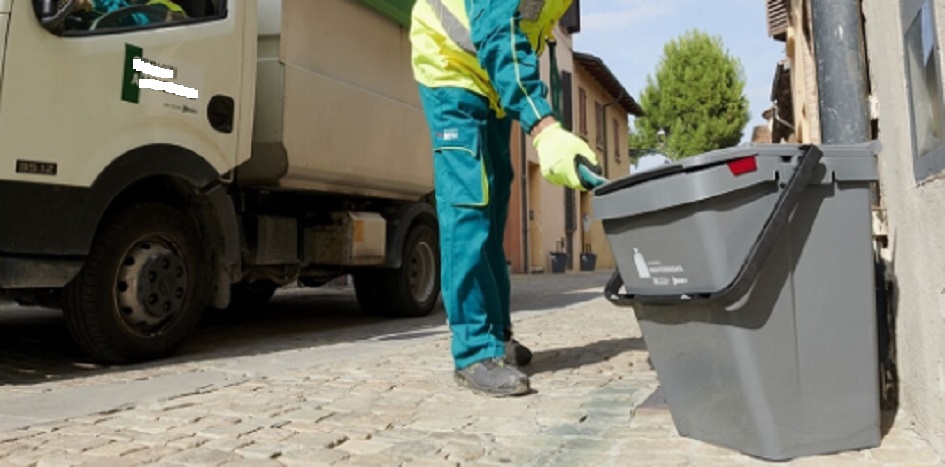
pixel 164 11
pixel 477 66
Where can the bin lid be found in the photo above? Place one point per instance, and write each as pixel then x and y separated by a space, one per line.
pixel 724 171
pixel 724 156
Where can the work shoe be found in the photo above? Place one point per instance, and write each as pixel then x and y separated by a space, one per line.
pixel 493 377
pixel 516 353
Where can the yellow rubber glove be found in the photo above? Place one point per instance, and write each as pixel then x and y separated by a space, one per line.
pixel 566 159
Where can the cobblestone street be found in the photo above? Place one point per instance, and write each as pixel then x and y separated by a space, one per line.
pixel 343 389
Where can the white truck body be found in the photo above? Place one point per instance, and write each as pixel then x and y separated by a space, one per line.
pixel 346 70
pixel 247 146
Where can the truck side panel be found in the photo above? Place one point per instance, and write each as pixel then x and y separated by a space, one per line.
pixel 351 121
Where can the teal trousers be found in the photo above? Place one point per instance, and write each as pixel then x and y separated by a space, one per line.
pixel 473 181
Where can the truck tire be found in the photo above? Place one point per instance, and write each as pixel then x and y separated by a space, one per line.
pixel 143 287
pixel 412 290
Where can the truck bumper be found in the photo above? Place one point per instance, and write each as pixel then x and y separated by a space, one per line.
pixel 36 272
pixel 41 220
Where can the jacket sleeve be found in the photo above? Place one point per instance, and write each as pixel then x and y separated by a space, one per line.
pixel 507 57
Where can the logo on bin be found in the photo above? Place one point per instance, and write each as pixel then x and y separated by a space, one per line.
pixel 642 269
pixel 680 281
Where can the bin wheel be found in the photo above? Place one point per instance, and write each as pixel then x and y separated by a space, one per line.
pixel 412 290
pixel 142 289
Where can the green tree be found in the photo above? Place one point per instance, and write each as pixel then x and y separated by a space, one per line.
pixel 697 98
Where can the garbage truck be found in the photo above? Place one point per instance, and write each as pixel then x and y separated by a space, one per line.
pixel 159 158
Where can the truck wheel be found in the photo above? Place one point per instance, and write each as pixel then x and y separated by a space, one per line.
pixel 367 287
pixel 142 289
pixel 410 291
pixel 255 294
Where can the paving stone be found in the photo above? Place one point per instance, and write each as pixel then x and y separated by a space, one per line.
pixel 263 450
pixel 366 420
pixel 159 439
pixel 144 456
pixel 833 461
pixel 125 422
pixel 84 430
pixel 306 427
pixel 188 442
pixel 228 431
pixel 306 415
pixel 253 463
pixel 349 404
pixel 364 447
pixel 313 457
pixel 114 449
pixel 373 460
pixel 11 447
pixel 116 462
pixel 16 435
pixel 156 426
pixel 357 432
pixel 28 456
pixel 901 455
pixel 37 441
pixel 463 452
pixel 431 463
pixel 184 414
pixel 226 444
pixel 662 459
pixel 58 459
pixel 415 449
pixel 441 423
pixel 271 435
pixel 315 440
pixel 199 457
pixel 511 456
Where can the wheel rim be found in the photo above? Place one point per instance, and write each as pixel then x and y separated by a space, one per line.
pixel 422 272
pixel 152 286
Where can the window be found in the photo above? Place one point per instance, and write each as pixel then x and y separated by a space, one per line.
pixel 571 21
pixel 616 127
pixel 84 17
pixel 582 110
pixel 567 101
pixel 924 78
pixel 599 124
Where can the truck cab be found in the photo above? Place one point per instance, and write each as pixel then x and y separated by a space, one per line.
pixel 159 157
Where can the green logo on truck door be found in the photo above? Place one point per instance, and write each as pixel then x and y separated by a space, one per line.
pixel 143 73
pixel 130 92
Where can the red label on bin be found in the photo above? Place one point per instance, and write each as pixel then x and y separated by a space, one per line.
pixel 743 166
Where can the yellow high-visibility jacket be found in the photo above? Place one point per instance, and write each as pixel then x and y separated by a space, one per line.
pixel 490 47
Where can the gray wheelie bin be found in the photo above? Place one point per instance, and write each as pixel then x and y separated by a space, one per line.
pixel 750 271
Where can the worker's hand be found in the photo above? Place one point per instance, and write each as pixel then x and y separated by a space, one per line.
pixel 566 159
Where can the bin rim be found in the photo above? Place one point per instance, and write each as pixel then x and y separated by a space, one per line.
pixel 722 156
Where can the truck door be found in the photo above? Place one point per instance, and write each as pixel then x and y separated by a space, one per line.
pixel 108 80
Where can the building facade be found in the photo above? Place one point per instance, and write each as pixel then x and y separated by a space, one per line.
pixel 601 116
pixel 902 48
pixel 552 229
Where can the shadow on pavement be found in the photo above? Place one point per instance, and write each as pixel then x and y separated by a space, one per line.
pixel 548 361
pixel 35 346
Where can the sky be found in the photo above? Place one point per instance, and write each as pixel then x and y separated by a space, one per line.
pixel 629 36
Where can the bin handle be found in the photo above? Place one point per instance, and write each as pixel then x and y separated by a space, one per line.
pixel 760 250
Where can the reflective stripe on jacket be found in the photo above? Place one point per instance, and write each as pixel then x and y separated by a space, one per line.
pixel 489 47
